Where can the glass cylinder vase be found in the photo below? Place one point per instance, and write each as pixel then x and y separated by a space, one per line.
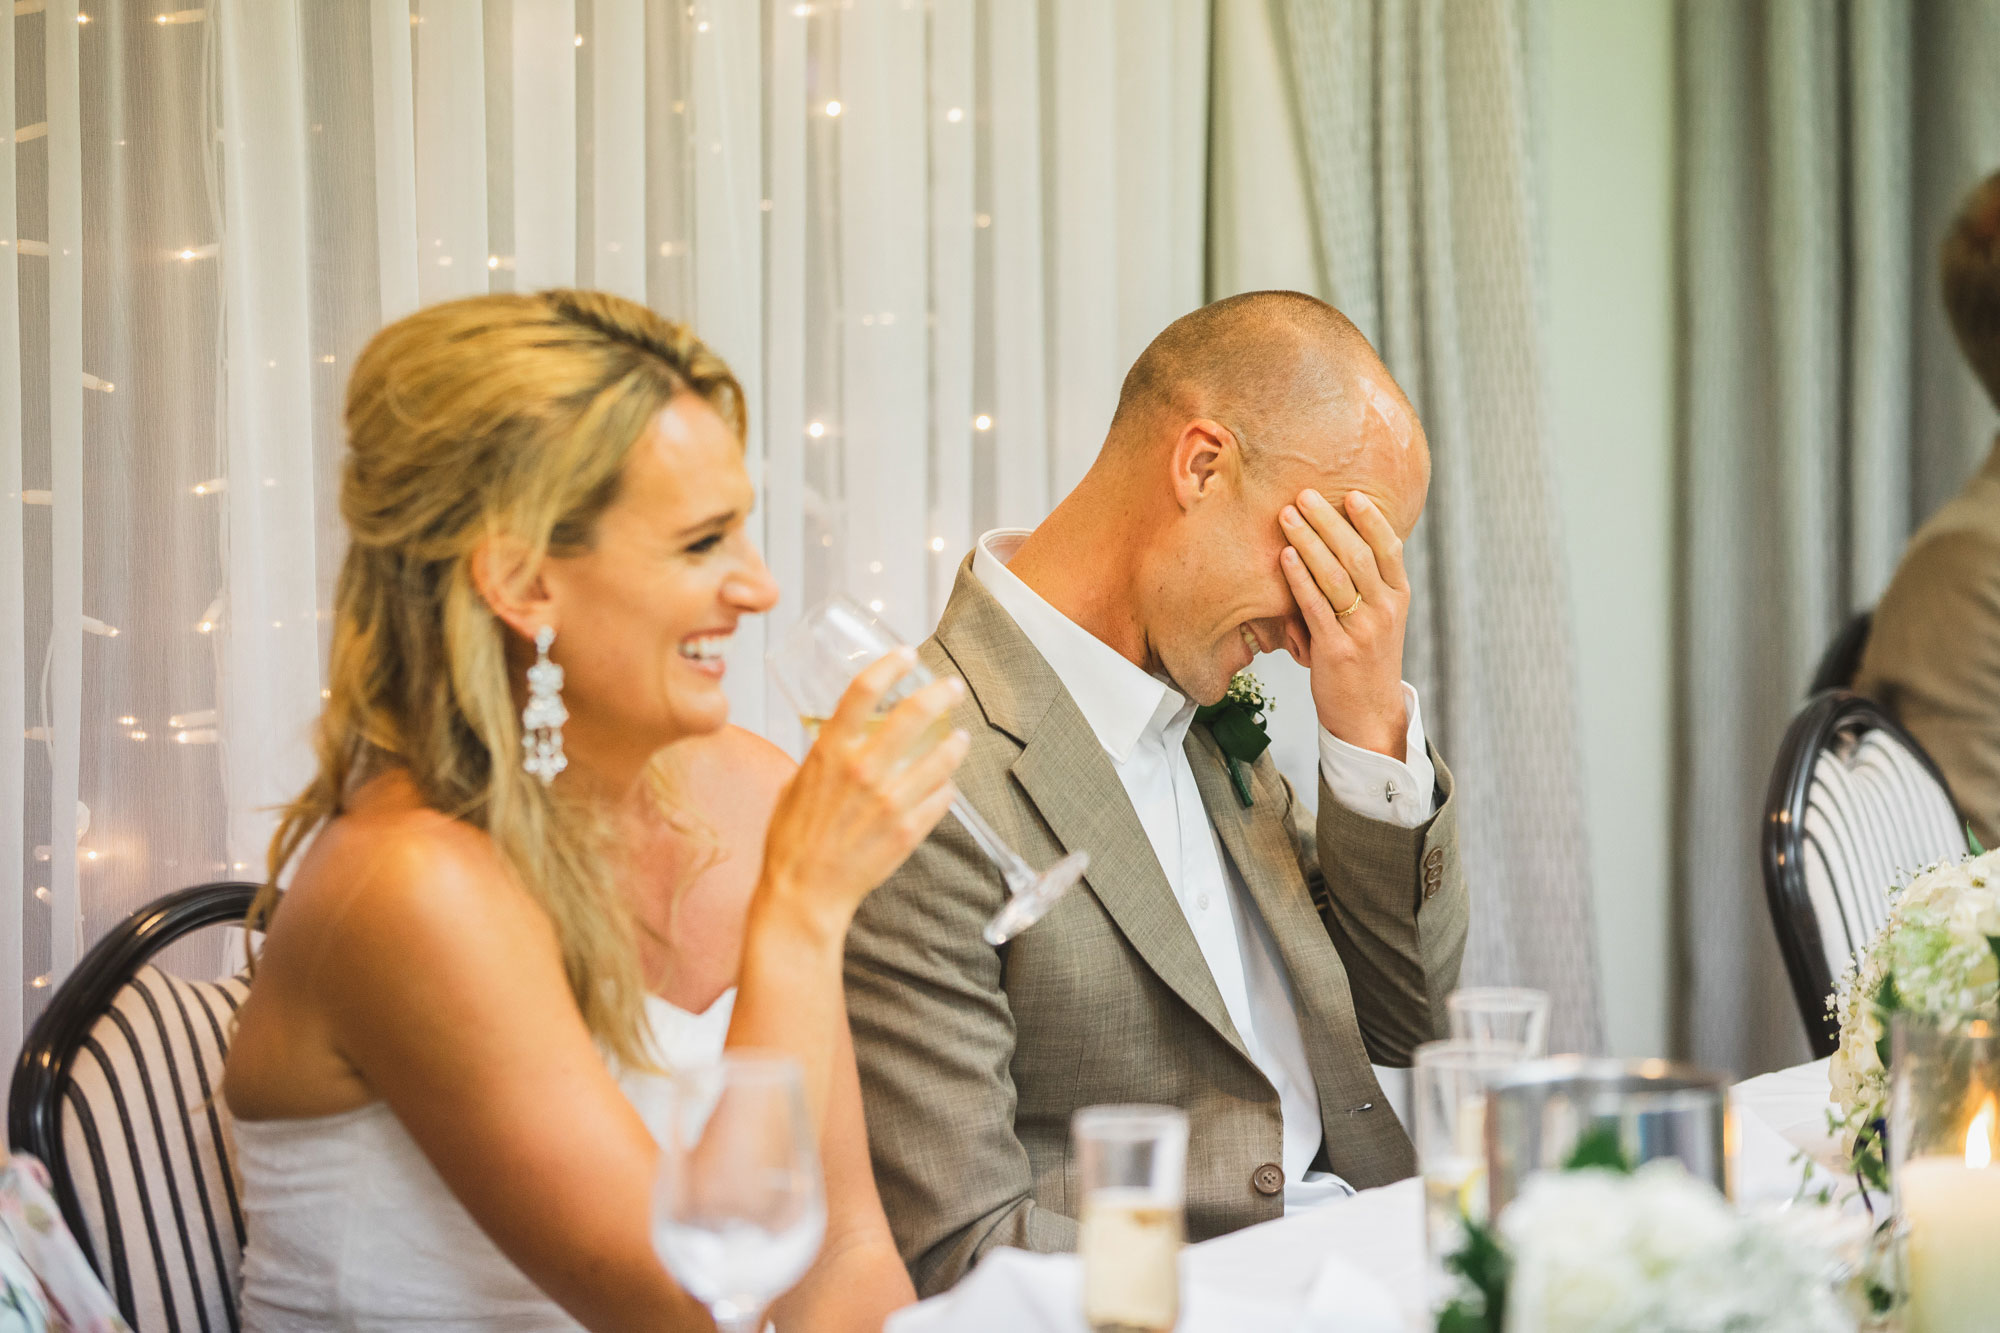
pixel 1944 1100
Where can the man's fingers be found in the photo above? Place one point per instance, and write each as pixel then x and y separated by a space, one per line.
pixel 1373 525
pixel 1313 605
pixel 1348 545
pixel 1319 562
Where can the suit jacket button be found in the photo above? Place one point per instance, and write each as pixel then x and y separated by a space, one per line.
pixel 1434 863
pixel 1268 1179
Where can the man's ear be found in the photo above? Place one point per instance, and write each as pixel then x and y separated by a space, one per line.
pixel 502 576
pixel 1207 461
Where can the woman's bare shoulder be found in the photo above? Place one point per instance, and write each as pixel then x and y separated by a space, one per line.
pixel 393 864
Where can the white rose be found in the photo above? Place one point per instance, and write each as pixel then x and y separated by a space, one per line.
pixel 1976 912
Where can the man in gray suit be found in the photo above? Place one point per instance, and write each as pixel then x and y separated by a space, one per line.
pixel 1933 655
pixel 1227 953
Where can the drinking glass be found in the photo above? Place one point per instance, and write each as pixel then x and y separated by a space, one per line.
pixel 739 1209
pixel 814 664
pixel 1502 1016
pixel 1132 1161
pixel 1448 1108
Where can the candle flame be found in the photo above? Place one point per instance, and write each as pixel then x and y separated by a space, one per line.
pixel 1979 1137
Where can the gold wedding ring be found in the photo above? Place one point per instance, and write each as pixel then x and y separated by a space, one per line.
pixel 1342 615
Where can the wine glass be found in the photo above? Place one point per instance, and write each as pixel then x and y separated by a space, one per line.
pixel 814 664
pixel 739 1209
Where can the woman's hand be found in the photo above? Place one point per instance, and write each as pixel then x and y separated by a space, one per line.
pixel 869 791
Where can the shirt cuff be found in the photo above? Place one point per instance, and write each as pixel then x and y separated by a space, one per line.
pixel 1377 787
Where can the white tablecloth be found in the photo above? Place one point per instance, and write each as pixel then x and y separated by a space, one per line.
pixel 1356 1265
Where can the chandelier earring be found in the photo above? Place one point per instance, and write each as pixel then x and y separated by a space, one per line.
pixel 542 719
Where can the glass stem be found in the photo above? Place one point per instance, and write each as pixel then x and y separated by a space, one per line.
pixel 1018 873
pixel 740 1323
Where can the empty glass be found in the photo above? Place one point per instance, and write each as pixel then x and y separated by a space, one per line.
pixel 1132 1161
pixel 1502 1016
pixel 1448 1108
pixel 814 664
pixel 738 1206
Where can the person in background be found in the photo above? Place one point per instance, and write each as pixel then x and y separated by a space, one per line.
pixel 1228 953
pixel 482 962
pixel 1933 654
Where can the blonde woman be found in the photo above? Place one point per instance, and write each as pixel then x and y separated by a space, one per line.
pixel 461 991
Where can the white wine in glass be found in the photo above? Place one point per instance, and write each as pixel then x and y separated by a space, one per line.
pixel 739 1208
pixel 815 663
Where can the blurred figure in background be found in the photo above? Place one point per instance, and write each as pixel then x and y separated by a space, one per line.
pixel 1933 656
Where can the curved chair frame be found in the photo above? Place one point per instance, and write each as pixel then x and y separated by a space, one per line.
pixel 41 1076
pixel 1825 715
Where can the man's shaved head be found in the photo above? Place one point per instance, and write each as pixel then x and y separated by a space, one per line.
pixel 1251 438
pixel 1291 378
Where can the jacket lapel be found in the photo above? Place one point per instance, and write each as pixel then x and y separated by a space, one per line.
pixel 1260 843
pixel 1069 779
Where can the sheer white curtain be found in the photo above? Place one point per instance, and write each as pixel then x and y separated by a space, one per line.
pixel 928 234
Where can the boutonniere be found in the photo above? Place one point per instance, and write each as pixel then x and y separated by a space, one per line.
pixel 1237 723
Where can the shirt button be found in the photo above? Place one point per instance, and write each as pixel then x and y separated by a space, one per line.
pixel 1268 1179
pixel 1202 902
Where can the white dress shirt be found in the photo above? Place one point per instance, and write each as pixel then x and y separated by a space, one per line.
pixel 1142 722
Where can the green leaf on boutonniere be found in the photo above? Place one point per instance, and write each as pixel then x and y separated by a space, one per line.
pixel 1237 722
pixel 1972 841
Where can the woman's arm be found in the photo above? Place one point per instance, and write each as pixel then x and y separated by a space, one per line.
pixel 859 1279
pixel 442 984
pixel 862 800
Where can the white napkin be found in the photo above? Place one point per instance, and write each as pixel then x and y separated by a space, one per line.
pixel 1346 1300
pixel 1013 1291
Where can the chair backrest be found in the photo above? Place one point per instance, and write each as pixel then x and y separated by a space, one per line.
pixel 118 1092
pixel 1842 660
pixel 1855 807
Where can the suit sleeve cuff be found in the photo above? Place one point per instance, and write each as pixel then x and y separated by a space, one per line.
pixel 1377 787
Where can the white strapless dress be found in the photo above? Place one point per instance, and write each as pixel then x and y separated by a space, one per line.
pixel 351 1228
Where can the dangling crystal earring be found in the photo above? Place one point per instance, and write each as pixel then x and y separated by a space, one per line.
pixel 542 719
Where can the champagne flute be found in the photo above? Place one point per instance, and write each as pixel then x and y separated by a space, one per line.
pixel 814 664
pixel 1132 1161
pixel 739 1209
pixel 1510 1016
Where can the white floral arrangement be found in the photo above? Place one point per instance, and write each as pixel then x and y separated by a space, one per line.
pixel 1937 955
pixel 1656 1251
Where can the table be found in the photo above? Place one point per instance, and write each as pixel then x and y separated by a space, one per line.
pixel 1357 1265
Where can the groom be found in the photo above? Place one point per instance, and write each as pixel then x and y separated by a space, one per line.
pixel 1245 963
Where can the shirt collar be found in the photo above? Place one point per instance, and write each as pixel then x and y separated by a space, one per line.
pixel 1119 700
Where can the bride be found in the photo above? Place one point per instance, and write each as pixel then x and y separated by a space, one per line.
pixel 482 959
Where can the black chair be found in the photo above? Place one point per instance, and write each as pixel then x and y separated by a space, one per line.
pixel 1842 660
pixel 117 1091
pixel 1855 807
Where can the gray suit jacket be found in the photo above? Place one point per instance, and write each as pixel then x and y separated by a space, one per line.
pixel 1933 655
pixel 973 1059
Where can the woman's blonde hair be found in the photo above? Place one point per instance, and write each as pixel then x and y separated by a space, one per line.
pixel 505 416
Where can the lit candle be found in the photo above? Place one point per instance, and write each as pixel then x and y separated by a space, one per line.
pixel 1952 1207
